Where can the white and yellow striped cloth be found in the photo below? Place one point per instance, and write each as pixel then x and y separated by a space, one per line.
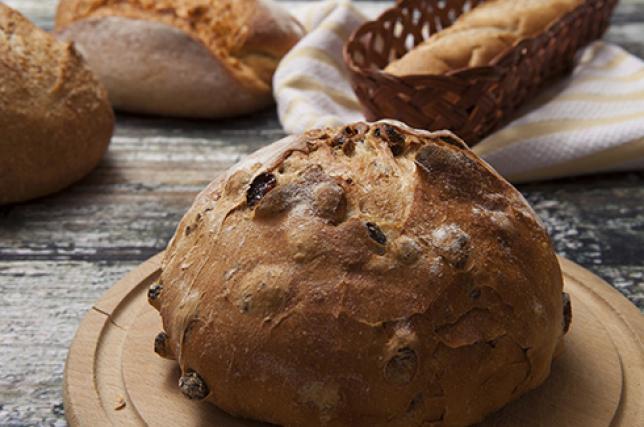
pixel 590 122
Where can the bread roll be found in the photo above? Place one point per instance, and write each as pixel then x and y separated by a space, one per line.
pixel 480 35
pixel 189 58
pixel 55 118
pixel 370 275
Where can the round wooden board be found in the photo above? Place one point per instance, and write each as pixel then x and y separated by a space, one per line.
pixel 112 375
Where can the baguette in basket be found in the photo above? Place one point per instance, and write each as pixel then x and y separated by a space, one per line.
pixel 480 35
pixel 440 84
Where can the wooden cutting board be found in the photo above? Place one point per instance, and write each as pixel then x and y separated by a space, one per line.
pixel 113 376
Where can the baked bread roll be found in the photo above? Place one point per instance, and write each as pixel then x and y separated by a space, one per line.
pixel 55 118
pixel 370 275
pixel 480 35
pixel 189 58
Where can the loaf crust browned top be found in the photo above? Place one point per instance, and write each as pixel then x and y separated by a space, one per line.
pixel 229 50
pixel 364 276
pixel 55 118
pixel 480 35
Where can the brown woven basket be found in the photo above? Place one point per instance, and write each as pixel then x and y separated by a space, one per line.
pixel 472 102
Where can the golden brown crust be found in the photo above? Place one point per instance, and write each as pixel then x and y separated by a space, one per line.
pixel 248 36
pixel 151 67
pixel 365 276
pixel 480 35
pixel 55 118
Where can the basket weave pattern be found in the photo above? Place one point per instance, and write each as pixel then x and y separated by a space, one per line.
pixel 472 102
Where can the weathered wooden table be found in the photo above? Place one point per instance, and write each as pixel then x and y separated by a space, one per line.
pixel 60 253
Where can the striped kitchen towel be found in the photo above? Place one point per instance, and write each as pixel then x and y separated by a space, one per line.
pixel 589 122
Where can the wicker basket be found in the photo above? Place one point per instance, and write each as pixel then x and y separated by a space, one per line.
pixel 472 102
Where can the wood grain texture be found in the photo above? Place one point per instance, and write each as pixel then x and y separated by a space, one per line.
pixel 112 376
pixel 59 254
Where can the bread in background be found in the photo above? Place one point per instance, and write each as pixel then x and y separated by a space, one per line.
pixel 55 118
pixel 480 35
pixel 187 58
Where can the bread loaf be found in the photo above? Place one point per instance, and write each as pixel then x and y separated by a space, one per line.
pixel 190 58
pixel 480 35
pixel 370 275
pixel 55 118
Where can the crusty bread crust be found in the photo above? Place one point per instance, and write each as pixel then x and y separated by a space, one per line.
pixel 365 276
pixel 480 35
pixel 55 119
pixel 232 46
pixel 154 68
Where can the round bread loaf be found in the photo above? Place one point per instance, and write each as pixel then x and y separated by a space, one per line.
pixel 188 58
pixel 370 275
pixel 55 118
